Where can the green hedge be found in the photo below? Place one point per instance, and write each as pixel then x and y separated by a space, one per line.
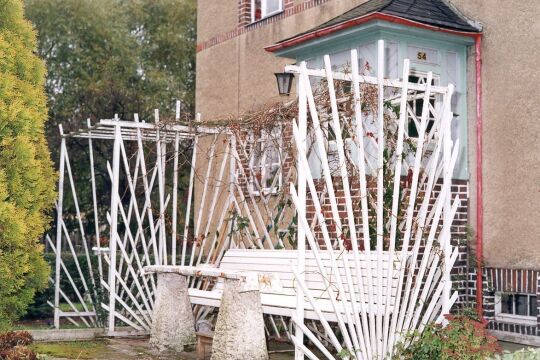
pixel 40 308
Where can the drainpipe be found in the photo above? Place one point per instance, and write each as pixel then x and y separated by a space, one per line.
pixel 479 180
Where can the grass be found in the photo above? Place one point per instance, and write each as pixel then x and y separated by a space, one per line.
pixel 44 325
pixel 77 305
pixel 72 349
pixel 31 326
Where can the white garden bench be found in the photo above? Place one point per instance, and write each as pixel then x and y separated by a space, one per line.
pixel 279 298
pixel 268 277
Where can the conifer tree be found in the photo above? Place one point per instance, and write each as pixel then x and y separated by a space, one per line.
pixel 27 178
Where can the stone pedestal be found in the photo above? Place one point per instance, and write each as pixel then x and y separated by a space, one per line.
pixel 239 332
pixel 173 326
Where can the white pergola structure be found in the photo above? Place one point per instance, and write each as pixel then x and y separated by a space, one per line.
pixel 233 209
pixel 141 224
pixel 135 225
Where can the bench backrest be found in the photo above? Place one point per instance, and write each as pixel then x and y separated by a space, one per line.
pixel 278 263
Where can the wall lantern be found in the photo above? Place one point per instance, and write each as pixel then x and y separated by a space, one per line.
pixel 284 82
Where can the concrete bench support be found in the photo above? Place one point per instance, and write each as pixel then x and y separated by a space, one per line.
pixel 239 332
pixel 173 326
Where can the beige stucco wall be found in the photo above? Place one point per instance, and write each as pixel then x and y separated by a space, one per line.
pixel 511 168
pixel 215 17
pixel 237 75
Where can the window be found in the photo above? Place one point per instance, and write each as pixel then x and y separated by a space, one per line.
pixel 416 105
pixel 517 307
pixel 261 9
pixel 265 162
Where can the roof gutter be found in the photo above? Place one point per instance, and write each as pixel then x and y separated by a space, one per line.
pixel 479 180
pixel 358 21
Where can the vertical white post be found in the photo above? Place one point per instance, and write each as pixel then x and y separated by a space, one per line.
pixel 59 221
pixel 175 188
pixel 94 198
pixel 395 200
pixel 162 259
pixel 361 165
pixel 190 196
pixel 380 189
pixel 301 236
pixel 114 225
pixel 411 206
pixel 447 215
pixel 232 180
pixel 147 192
pixel 358 340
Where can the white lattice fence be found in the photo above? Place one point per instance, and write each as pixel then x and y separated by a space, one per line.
pixel 390 221
pixel 224 207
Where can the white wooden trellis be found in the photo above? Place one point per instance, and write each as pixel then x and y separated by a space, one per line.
pixel 142 240
pixel 135 222
pixel 424 290
pixel 138 232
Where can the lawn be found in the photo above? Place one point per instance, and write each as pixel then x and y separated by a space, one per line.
pixel 73 350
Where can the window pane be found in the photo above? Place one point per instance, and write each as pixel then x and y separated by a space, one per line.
pixel 391 59
pixel 367 59
pixel 257 10
pixel 272 157
pixel 419 108
pixel 272 6
pixel 417 105
pixel 413 131
pixel 414 78
pixel 506 304
pixel 521 305
pixel 265 160
pixel 341 61
pixel 257 153
pixel 430 125
pixel 533 306
pixel 270 175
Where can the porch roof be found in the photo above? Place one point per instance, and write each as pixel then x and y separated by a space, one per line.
pixel 433 14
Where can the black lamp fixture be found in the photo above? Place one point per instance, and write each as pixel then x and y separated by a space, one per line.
pixel 284 82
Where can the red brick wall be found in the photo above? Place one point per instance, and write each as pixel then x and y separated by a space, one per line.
pixel 244 13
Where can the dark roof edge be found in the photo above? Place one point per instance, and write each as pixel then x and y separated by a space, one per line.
pixel 475 24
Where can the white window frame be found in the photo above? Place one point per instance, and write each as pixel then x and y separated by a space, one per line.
pixel 513 318
pixel 264 12
pixel 262 166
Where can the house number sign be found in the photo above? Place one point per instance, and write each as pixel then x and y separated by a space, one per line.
pixel 421 54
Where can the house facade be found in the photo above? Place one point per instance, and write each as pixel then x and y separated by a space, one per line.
pixel 487 49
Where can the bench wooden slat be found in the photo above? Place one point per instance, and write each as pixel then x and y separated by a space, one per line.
pixel 275 304
pixel 264 268
pixel 293 254
pixel 288 261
